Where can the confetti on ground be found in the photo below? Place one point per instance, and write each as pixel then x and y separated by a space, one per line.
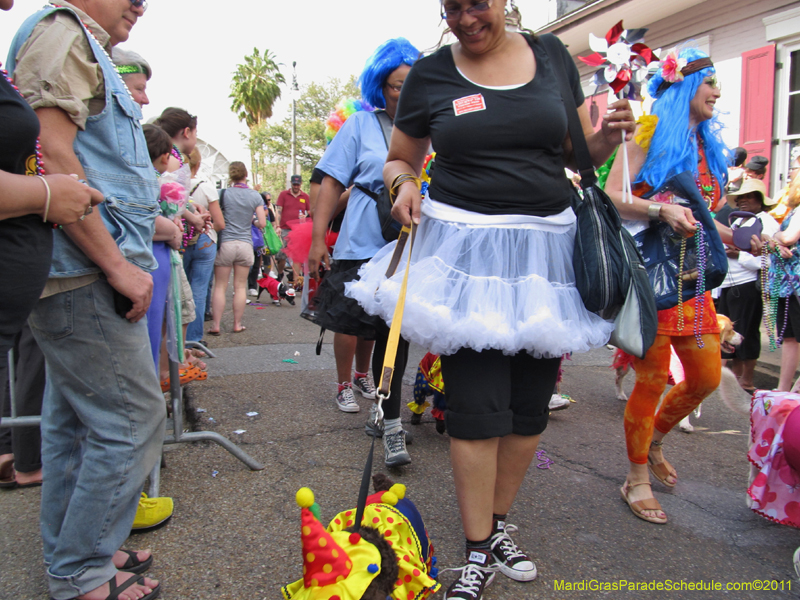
pixel 214 473
pixel 240 431
pixel 296 353
pixel 252 413
pixel 200 410
pixel 290 361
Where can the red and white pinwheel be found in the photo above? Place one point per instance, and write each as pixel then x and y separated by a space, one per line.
pixel 624 59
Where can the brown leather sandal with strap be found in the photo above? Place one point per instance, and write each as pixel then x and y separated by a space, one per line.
pixel 663 469
pixel 639 506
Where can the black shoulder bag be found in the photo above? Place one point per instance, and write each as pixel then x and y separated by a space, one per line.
pixel 609 272
pixel 390 228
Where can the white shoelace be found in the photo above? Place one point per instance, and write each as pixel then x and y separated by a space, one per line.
pixel 365 383
pixel 508 547
pixel 471 578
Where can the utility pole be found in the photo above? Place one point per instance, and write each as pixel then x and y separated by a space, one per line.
pixel 295 89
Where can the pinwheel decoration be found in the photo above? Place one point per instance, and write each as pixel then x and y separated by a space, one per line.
pixel 623 58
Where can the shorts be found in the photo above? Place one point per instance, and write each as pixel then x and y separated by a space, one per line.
pixel 742 304
pixel 792 324
pixel 490 394
pixel 235 253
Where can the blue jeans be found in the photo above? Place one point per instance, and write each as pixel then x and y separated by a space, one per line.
pixel 198 262
pixel 102 429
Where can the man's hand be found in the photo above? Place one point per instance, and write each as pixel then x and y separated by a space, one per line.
pixel 130 281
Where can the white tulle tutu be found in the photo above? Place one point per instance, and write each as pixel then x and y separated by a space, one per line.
pixel 502 281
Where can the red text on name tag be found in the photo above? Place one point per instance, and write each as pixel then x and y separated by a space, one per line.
pixel 469 104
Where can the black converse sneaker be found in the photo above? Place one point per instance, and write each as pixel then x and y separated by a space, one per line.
pixel 473 578
pixel 511 561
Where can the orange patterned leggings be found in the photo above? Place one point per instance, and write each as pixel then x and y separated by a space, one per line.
pixel 702 369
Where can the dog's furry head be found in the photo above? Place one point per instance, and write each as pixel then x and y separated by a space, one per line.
pixel 728 338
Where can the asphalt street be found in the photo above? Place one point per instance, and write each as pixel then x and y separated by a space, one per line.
pixel 235 533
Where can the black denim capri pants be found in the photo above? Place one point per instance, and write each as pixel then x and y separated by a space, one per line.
pixel 490 394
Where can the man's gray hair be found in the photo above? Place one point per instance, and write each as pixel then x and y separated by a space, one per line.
pixel 129 62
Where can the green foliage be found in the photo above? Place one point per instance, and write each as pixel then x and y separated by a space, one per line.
pixel 255 88
pixel 273 143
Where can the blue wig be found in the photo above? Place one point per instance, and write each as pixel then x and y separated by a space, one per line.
pixel 388 57
pixel 673 148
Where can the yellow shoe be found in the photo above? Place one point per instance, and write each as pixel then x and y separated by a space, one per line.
pixel 152 513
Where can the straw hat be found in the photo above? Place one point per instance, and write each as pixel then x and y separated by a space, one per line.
pixel 748 187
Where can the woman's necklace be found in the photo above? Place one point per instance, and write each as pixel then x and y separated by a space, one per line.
pixel 705 180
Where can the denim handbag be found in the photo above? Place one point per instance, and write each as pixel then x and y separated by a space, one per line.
pixel 660 247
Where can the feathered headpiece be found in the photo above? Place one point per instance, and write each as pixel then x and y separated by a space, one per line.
pixel 343 110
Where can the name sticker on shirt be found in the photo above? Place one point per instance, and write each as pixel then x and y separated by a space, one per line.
pixel 469 104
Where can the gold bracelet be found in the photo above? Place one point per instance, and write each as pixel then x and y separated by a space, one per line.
pixel 47 201
pixel 404 178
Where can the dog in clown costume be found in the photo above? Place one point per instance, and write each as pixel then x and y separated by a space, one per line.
pixel 389 556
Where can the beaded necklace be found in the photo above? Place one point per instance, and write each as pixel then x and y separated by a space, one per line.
pixel 99 45
pixel 700 286
pixel 177 154
pixel 771 299
pixel 705 180
pixel 188 229
pixel 710 190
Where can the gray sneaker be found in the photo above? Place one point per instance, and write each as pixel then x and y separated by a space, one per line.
pixel 394 449
pixel 375 428
pixel 365 387
pixel 346 401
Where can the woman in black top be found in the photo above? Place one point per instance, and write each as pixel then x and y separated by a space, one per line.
pixel 28 207
pixel 491 286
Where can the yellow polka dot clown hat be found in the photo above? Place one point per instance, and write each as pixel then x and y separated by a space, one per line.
pixel 336 565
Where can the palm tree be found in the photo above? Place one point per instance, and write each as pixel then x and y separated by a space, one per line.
pixel 255 88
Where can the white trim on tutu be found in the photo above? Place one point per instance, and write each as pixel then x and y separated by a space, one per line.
pixel 486 281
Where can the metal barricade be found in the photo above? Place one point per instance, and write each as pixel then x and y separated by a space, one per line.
pixel 178 436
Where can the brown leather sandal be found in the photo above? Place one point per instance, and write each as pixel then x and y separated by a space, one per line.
pixel 663 469
pixel 639 506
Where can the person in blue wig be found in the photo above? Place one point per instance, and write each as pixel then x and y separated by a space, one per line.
pixel 682 134
pixel 355 159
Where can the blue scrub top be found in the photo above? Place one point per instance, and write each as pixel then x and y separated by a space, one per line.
pixel 356 156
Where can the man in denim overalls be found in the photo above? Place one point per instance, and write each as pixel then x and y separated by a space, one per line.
pixel 103 416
